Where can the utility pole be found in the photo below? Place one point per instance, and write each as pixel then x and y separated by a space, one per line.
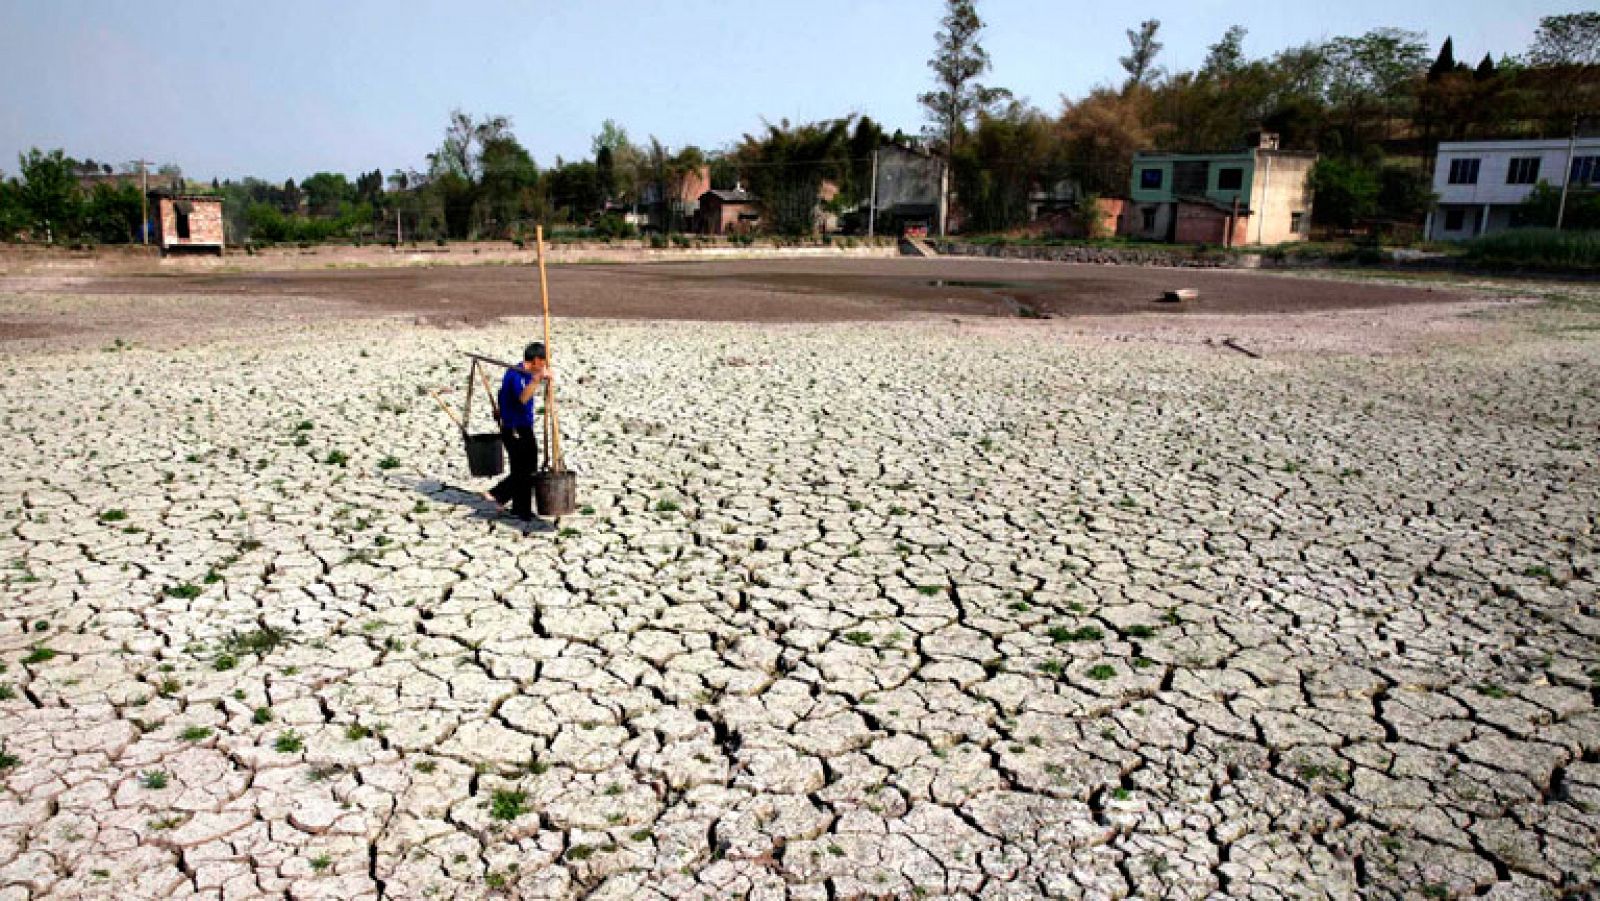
pixel 1566 178
pixel 944 194
pixel 144 201
pixel 872 206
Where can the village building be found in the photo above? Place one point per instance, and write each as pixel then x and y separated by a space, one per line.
pixel 907 193
pixel 728 212
pixel 672 205
pixel 186 223
pixel 1481 185
pixel 1260 195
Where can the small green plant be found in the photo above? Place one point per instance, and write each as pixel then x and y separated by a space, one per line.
pixel 259 642
pixel 261 716
pixel 321 862
pixel 1100 672
pixel 580 853
pixel 8 760
pixel 195 733
pixel 389 462
pixel 666 506
pixel 1141 631
pixel 224 662
pixel 114 515
pixel 858 637
pixel 356 732
pixel 929 590
pixel 155 780
pixel 1051 667
pixel 427 766
pixel 39 654
pixel 288 742
pixel 1062 635
pixel 183 591
pixel 508 805
pixel 304 426
pixel 7 692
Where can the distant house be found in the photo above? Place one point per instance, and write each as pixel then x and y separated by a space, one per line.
pixel 729 212
pixel 1481 184
pixel 908 186
pixel 186 223
pixel 1260 195
pixel 675 202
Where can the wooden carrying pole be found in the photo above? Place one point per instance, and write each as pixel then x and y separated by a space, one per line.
pixel 553 421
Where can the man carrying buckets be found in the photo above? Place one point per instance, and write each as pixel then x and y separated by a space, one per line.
pixel 517 430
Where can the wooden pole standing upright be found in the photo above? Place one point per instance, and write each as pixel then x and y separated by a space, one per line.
pixel 552 421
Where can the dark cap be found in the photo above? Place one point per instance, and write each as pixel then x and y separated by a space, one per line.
pixel 534 351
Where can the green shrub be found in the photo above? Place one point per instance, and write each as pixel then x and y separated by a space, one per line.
pixel 613 226
pixel 1537 248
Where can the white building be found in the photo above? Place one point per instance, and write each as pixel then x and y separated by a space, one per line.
pixel 1480 183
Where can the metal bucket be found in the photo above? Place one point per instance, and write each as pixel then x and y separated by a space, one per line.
pixel 485 454
pixel 556 493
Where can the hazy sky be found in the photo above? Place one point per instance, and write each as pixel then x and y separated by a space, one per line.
pixel 287 88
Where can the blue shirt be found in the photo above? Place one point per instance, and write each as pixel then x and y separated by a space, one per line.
pixel 513 412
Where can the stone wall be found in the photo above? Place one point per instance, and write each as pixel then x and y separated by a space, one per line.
pixel 1105 256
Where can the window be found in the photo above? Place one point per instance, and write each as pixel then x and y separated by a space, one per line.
pixel 1454 220
pixel 183 226
pixel 1464 172
pixel 1585 170
pixel 1296 218
pixel 1150 179
pixel 1230 179
pixel 1524 170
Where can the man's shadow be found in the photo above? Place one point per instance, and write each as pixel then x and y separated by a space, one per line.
pixel 481 508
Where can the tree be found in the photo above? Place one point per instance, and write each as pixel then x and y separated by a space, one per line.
pixel 1569 40
pixel 1485 70
pixel 1099 135
pixel 113 212
pixel 1142 50
pixel 327 193
pixel 49 194
pixel 1346 191
pixel 1011 154
pixel 958 61
pixel 508 183
pixel 13 218
pixel 785 168
pixel 1445 64
pixel 617 161
pixel 1226 56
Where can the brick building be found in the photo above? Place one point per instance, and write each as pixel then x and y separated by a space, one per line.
pixel 186 223
pixel 729 212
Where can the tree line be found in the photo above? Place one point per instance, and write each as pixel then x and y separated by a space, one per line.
pixel 1374 106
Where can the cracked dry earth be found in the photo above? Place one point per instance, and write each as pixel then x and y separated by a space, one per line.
pixel 901 610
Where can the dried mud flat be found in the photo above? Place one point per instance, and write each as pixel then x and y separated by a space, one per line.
pixel 909 609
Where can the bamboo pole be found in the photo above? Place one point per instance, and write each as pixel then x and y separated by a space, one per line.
pixel 553 420
pixel 447 411
pixel 466 412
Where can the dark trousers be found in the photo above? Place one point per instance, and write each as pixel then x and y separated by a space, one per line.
pixel 522 456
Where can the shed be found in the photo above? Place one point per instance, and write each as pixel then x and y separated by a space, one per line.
pixel 187 223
